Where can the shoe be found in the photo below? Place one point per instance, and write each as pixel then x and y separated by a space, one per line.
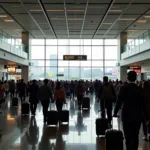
pixel 44 120
pixel 110 126
pixel 145 138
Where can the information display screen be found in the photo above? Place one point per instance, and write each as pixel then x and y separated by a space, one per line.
pixel 75 57
pixel 11 69
pixel 137 69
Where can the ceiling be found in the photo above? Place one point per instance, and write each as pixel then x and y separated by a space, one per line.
pixel 75 18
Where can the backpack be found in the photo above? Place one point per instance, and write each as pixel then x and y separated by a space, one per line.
pixel 107 93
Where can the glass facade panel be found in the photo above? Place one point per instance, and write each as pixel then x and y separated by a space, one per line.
pixel 86 73
pixel 74 73
pixel 110 42
pixel 51 42
pixel 37 52
pixel 62 50
pixel 38 62
pixel 110 52
pixel 52 63
pixel 37 73
pixel 97 63
pixel 51 52
pixel 110 63
pixel 97 73
pixel 97 42
pixel 47 59
pixel 97 52
pixel 51 73
pixel 37 42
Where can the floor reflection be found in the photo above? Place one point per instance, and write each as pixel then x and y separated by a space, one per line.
pixel 29 133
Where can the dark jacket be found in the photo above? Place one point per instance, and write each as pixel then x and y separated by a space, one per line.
pixel 33 91
pixel 101 90
pixel 132 101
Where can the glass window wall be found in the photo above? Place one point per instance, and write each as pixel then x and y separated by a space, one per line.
pixel 47 59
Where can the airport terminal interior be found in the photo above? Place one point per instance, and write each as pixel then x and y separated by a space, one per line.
pixel 69 40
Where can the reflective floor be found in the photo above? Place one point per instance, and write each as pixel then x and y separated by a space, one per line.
pixel 29 133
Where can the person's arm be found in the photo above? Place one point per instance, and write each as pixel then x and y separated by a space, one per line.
pixel 119 101
pixel 144 105
pixel 100 92
pixel 64 96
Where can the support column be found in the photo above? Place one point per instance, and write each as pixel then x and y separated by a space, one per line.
pixel 25 41
pixel 25 73
pixel 25 69
pixel 122 70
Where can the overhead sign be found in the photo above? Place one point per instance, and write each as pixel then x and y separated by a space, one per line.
pixel 145 69
pixel 75 57
pixel 137 69
pixel 60 75
pixel 13 69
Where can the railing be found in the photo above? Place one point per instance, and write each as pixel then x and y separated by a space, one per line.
pixel 137 45
pixel 12 45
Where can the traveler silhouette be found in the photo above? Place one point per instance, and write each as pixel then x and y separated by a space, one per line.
pixel 131 99
pixel 33 133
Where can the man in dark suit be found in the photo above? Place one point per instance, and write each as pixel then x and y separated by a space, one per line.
pixel 132 101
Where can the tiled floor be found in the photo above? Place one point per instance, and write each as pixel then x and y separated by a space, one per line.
pixel 28 133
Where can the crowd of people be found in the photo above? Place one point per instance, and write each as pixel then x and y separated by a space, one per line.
pixel 131 96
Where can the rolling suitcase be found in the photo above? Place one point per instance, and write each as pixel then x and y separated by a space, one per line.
pixel 15 102
pixel 25 108
pixel 64 116
pixel 52 117
pixel 101 126
pixel 114 139
pixel 86 103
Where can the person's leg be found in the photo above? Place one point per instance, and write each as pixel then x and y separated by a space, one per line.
pixel 102 108
pixel 43 105
pixel 144 129
pixel 131 133
pixel 34 110
pixel 31 107
pixel 109 112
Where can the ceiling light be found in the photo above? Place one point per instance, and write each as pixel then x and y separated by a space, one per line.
pixel 146 16
pixel 36 10
pixel 9 20
pixel 107 23
pixel 142 21
pixel 3 16
pixel 75 10
pixel 117 10
pixel 132 30
pixel 56 10
pixel 75 19
pixel 126 19
pixel 70 19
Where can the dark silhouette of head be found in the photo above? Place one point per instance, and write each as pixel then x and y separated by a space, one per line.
pixel 58 85
pixel 132 76
pixel 34 81
pixel 105 79
pixel 45 81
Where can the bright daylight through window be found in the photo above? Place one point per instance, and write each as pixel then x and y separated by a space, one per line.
pixel 46 57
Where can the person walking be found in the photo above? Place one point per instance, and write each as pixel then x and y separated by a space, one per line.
pixel 6 88
pixel 33 96
pixel 106 96
pixel 45 94
pixel 132 101
pixel 80 91
pixel 59 97
pixel 22 90
pixel 12 88
pixel 146 127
